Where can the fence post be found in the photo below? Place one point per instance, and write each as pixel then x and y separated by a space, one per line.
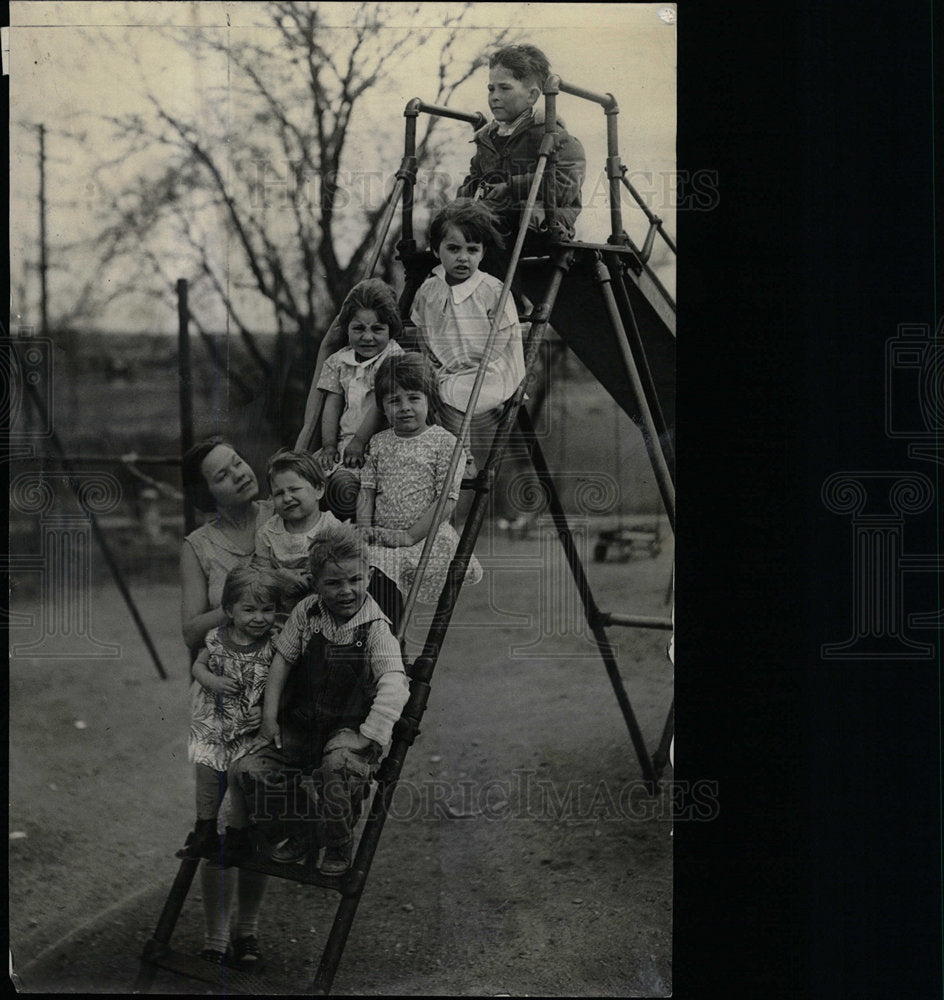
pixel 186 390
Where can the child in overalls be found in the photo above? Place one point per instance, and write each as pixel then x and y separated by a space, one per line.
pixel 336 687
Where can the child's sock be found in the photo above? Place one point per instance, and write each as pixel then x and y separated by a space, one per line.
pixel 251 892
pixel 219 899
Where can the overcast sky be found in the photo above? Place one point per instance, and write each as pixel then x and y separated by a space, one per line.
pixel 63 71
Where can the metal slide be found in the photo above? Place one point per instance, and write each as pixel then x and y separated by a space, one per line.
pixel 580 320
pixel 610 310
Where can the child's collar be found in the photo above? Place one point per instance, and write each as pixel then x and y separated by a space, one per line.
pixel 348 356
pixel 505 129
pixel 465 288
pixel 226 638
pixel 538 117
pixel 369 611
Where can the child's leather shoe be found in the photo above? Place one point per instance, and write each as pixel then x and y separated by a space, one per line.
pixel 336 860
pixel 292 851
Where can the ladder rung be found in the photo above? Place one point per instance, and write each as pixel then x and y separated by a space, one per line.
pixel 306 873
pixel 636 621
pixel 194 967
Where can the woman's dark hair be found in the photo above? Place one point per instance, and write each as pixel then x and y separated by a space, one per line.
pixel 302 463
pixel 474 219
pixel 377 296
pixel 191 473
pixel 411 371
pixel 525 62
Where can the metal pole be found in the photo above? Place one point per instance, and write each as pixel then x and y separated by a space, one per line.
pixel 43 262
pixel 185 372
pixel 642 362
pixel 651 216
pixel 649 433
pixel 34 397
pixel 370 838
pixel 398 189
pixel 475 118
pixel 586 596
pixel 550 128
pixel 473 523
pixel 614 171
pixel 604 100
pixel 546 148
pixel 411 113
pixel 661 756
pixel 157 945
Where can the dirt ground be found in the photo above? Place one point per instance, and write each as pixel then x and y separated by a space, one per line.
pixel 559 884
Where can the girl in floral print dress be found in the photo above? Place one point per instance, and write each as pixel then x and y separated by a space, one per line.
pixel 230 675
pixel 403 477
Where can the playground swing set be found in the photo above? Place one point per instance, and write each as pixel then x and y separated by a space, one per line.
pixel 616 316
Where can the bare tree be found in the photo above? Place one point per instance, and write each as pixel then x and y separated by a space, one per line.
pixel 267 159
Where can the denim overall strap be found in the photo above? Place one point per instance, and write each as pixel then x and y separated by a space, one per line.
pixel 330 685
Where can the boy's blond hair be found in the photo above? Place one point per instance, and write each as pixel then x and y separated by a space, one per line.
pixel 336 545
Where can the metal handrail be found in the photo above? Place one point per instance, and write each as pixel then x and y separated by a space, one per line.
pixel 406 174
pixel 546 151
pixel 616 172
pixel 416 106
pixel 654 221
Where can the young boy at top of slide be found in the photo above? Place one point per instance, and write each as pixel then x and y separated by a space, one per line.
pixel 506 150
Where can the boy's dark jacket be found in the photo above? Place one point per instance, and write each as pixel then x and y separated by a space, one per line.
pixel 515 167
